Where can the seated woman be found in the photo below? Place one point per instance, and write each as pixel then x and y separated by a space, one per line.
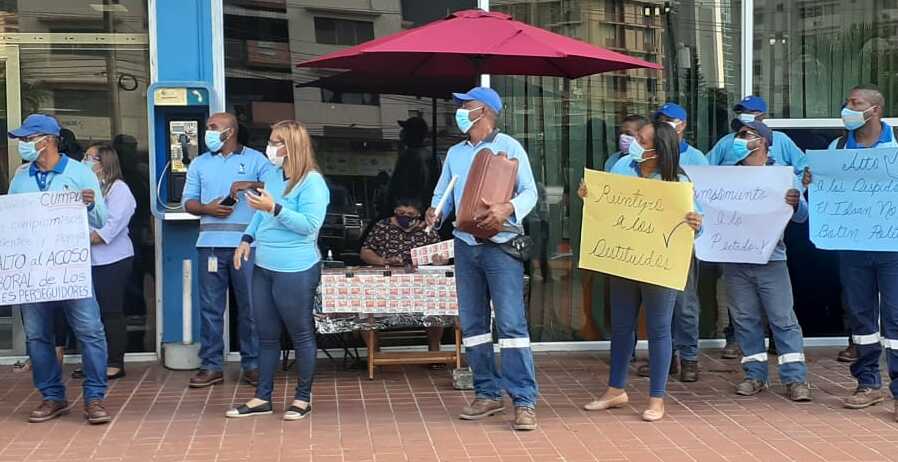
pixel 391 240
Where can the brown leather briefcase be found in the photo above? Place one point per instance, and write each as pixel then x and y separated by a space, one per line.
pixel 491 178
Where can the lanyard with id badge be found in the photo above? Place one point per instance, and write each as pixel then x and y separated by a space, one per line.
pixel 212 264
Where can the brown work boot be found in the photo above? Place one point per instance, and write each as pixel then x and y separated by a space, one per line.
pixel 848 355
pixel 864 397
pixel 799 392
pixel 481 408
pixel 96 413
pixel 205 378
pixel 48 410
pixel 524 418
pixel 749 387
pixel 688 371
pixel 730 351
pixel 644 371
pixel 251 377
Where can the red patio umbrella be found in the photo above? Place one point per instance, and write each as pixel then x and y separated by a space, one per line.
pixel 471 42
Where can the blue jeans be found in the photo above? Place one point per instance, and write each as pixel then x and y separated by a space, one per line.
pixel 686 316
pixel 870 292
pixel 756 290
pixel 484 273
pixel 287 298
pixel 626 296
pixel 213 300
pixel 84 318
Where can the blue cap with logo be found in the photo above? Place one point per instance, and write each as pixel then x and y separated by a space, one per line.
pixel 671 110
pixel 485 95
pixel 36 124
pixel 751 103
pixel 758 127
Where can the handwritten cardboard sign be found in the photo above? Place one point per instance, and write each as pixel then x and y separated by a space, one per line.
pixel 635 228
pixel 44 248
pixel 853 199
pixel 745 211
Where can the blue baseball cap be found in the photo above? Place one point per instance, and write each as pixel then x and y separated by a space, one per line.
pixel 751 103
pixel 36 124
pixel 485 95
pixel 757 126
pixel 671 110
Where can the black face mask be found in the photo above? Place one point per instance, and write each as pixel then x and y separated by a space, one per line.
pixel 405 222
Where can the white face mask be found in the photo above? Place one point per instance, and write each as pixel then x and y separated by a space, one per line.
pixel 272 153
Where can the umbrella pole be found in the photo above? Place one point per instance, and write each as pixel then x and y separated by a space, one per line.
pixel 433 130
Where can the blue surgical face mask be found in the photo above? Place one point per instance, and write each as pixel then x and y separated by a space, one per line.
pixel 28 150
pixel 91 164
pixel 463 118
pixel 747 117
pixel 638 152
pixel 854 119
pixel 214 140
pixel 741 149
pixel 405 222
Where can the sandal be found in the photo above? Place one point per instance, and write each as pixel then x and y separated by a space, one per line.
pixel 21 367
pixel 297 413
pixel 245 411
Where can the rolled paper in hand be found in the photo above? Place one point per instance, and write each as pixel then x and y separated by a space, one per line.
pixel 439 208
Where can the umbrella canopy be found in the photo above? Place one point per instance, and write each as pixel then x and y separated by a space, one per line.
pixel 472 42
pixel 362 82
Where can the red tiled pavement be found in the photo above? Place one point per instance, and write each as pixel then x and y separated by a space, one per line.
pixel 409 414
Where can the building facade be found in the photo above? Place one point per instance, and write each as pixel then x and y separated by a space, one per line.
pixel 91 63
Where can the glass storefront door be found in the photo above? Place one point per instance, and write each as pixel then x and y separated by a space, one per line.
pixel 86 63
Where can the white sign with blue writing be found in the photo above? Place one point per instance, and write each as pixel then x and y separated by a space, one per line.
pixel 853 199
pixel 44 248
pixel 745 211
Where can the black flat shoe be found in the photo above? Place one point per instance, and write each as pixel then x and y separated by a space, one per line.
pixel 117 375
pixel 78 374
pixel 297 413
pixel 246 411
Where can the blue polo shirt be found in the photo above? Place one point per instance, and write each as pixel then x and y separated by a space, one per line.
pixel 886 140
pixel 691 156
pixel 612 159
pixel 67 175
pixel 458 163
pixel 210 177
pixel 784 151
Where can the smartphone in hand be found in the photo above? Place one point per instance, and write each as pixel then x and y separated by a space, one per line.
pixel 228 201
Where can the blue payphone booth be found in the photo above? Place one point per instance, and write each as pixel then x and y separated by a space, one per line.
pixel 177 117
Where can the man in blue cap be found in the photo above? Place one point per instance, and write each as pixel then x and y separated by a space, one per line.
pixel 484 272
pixel 48 169
pixel 783 151
pixel 687 307
pixel 759 291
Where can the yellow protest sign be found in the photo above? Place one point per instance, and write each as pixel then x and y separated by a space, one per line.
pixel 635 228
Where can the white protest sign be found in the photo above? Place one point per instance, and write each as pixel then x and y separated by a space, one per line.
pixel 745 211
pixel 44 248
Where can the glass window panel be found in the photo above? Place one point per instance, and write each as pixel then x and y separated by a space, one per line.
pixel 808 54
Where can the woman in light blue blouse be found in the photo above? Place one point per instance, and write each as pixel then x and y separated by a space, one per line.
pixel 654 154
pixel 289 213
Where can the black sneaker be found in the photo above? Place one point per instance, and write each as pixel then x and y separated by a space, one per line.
pixel 297 413
pixel 246 411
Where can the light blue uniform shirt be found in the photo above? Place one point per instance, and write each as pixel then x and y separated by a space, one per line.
pixel 458 163
pixel 886 140
pixel 784 152
pixel 210 177
pixel 288 242
pixel 67 175
pixel 691 156
pixel 612 159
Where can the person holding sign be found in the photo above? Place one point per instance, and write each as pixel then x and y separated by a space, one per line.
pixel 485 270
pixel 289 213
pixel 47 169
pixel 869 278
pixel 687 307
pixel 654 154
pixel 216 183
pixel 756 290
